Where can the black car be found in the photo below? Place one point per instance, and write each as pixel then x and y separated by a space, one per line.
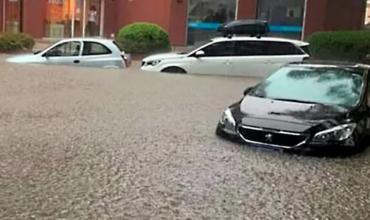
pixel 303 107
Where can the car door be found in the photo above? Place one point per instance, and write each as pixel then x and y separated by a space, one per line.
pixel 214 59
pixel 65 53
pixel 96 54
pixel 260 58
pixel 282 53
pixel 249 59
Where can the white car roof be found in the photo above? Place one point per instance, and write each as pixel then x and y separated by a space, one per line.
pixel 276 39
pixel 102 40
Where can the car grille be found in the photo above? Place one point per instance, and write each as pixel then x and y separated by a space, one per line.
pixel 272 138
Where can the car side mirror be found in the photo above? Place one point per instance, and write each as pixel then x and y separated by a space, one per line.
pixel 199 53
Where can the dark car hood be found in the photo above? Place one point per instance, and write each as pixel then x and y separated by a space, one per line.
pixel 287 116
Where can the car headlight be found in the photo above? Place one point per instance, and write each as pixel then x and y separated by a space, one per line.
pixel 338 133
pixel 227 119
pixel 153 62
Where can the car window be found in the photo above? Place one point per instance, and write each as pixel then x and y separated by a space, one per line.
pixel 94 48
pixel 67 49
pixel 265 48
pixel 251 48
pixel 219 49
pixel 282 48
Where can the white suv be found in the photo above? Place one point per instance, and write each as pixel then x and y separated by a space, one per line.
pixel 248 56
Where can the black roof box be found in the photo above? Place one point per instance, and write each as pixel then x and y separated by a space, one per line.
pixel 245 27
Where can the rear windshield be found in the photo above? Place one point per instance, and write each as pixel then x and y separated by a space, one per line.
pixel 332 86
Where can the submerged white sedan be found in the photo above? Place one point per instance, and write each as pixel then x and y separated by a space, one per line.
pixel 249 56
pixel 87 52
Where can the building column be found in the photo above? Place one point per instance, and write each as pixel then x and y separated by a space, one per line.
pixel 2 17
pixel 34 13
pixel 247 9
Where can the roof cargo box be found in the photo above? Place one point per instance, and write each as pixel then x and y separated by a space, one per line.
pixel 244 27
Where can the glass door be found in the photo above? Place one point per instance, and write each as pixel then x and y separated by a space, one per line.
pixel 88 18
pixel 285 17
pixel 74 18
pixel 59 16
pixel 205 16
pixel 13 16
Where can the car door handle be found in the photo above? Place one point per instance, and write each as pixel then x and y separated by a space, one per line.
pixel 76 61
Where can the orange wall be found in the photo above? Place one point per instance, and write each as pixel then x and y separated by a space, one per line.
pixel 247 9
pixel 1 16
pixel 110 20
pixel 178 22
pixel 34 13
pixel 130 11
pixel 333 15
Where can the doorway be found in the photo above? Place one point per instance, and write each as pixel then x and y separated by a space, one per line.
pixel 74 18
pixel 12 16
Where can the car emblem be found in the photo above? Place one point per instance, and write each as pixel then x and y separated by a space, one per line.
pixel 268 138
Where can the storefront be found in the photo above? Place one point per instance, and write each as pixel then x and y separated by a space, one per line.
pixel 74 18
pixel 62 18
pixel 205 16
pixel 187 21
pixel 284 16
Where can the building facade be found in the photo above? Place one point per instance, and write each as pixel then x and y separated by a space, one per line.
pixel 186 21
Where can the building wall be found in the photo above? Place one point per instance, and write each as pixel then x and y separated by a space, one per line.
pixel 34 13
pixel 247 9
pixel 351 15
pixel 130 11
pixel 178 22
pixel 110 22
pixel 172 15
pixel 1 15
pixel 333 15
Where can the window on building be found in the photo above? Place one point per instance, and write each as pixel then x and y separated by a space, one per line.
pixel 93 48
pixel 59 18
pixel 205 16
pixel 68 49
pixel 284 16
pixel 13 16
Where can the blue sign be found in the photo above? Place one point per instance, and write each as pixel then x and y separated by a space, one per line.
pixel 212 26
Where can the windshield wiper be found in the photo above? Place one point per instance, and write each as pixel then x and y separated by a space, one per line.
pixel 297 101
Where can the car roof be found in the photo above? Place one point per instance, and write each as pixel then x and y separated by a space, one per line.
pixel 246 38
pixel 102 40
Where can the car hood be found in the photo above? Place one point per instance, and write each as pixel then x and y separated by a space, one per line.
pixel 25 58
pixel 164 56
pixel 288 116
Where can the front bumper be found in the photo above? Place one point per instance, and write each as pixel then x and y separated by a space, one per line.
pixel 234 136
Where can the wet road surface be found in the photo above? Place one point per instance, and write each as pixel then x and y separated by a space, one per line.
pixel 110 144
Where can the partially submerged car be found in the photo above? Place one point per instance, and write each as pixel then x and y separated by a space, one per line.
pixel 246 56
pixel 87 52
pixel 303 107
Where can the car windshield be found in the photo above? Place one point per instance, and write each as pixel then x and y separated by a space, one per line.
pixel 323 85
